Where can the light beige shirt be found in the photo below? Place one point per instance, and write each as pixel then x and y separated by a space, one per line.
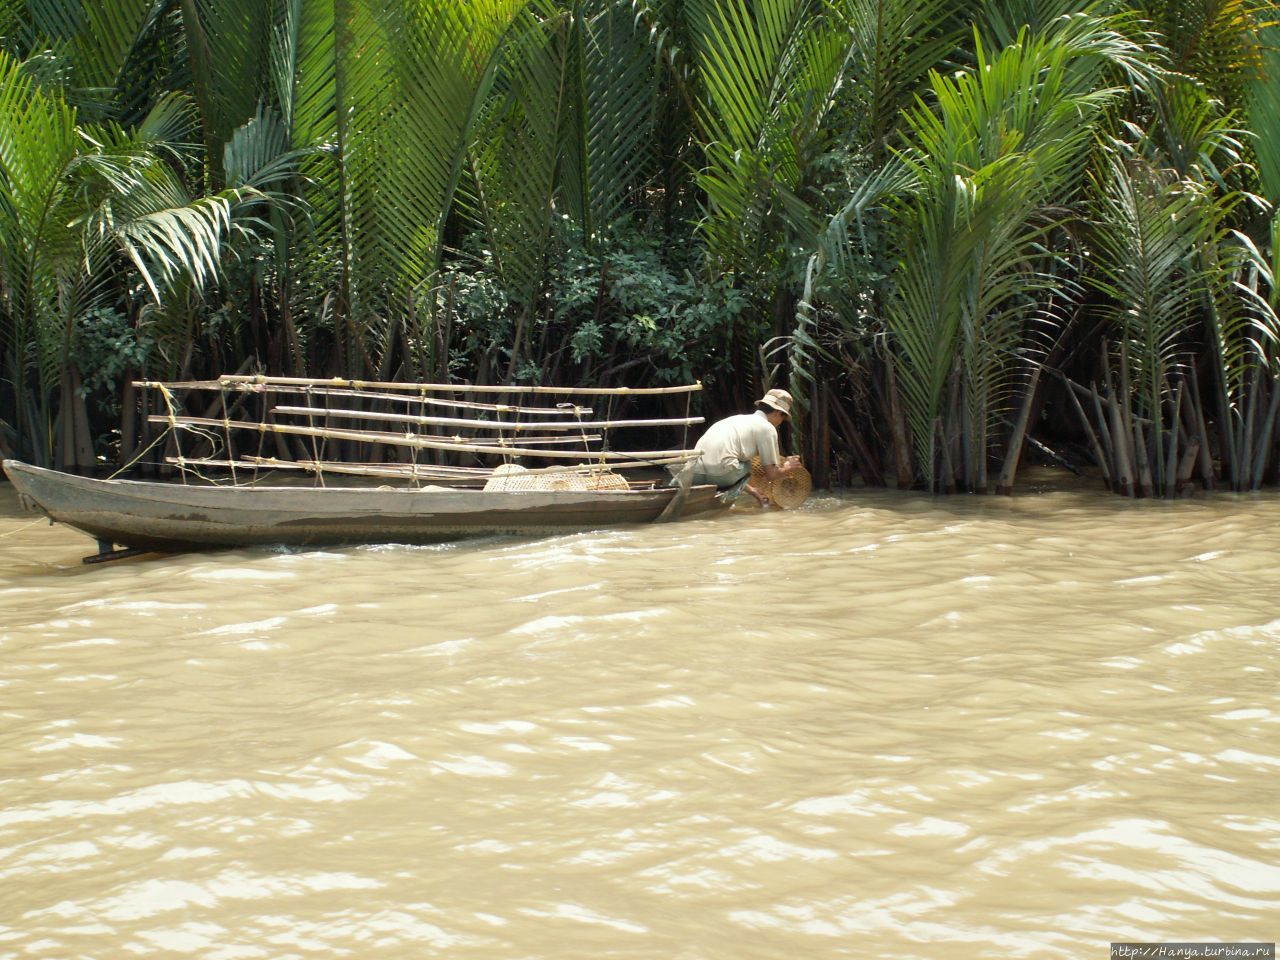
pixel 735 440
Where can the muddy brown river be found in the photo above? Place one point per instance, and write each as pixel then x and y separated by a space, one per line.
pixel 883 725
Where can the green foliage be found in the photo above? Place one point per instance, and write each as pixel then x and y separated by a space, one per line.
pixel 892 193
pixel 105 347
pixel 618 308
pixel 1264 115
pixel 623 301
pixel 1000 146
pixel 82 207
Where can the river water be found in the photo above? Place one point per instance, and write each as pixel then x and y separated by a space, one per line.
pixel 883 725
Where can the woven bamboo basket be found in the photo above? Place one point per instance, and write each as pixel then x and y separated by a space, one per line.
pixel 787 493
pixel 512 478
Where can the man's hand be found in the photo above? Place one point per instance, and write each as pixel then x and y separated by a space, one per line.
pixel 777 471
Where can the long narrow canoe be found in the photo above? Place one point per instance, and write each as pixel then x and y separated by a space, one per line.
pixel 172 517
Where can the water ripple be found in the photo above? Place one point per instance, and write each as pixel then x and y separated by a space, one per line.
pixel 881 725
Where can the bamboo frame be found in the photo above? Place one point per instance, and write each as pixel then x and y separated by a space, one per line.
pixel 500 425
pixel 364 385
pixel 246 388
pixel 402 471
pixel 640 457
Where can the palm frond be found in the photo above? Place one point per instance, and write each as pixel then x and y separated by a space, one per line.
pixel 38 143
pixel 1215 41
pixel 107 37
pixel 1148 231
pixel 769 71
pixel 895 43
pixel 258 154
pixel 996 145
pixel 620 75
pixel 517 150
pixel 229 44
pixel 387 95
pixel 1264 115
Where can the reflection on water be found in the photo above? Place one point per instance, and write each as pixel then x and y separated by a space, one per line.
pixel 882 726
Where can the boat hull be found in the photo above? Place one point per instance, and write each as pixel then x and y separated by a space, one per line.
pixel 171 517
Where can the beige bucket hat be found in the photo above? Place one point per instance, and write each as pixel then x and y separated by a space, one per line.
pixel 778 400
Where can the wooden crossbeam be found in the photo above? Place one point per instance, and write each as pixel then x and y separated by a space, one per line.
pixel 640 457
pixel 500 425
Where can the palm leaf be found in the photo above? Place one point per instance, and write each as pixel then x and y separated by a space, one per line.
pixel 229 44
pixel 1147 233
pixel 620 77
pixel 369 78
pixel 38 144
pixel 895 43
pixel 769 72
pixel 517 150
pixel 1215 41
pixel 1264 115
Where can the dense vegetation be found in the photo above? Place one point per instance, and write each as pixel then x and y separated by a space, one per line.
pixel 947 226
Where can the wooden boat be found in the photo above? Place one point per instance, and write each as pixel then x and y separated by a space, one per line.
pixel 144 515
pixel 582 489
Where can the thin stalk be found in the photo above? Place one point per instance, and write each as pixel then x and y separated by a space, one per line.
pixel 1202 429
pixel 1132 430
pixel 1104 433
pixel 1120 434
pixel 1005 484
pixel 947 481
pixel 1263 455
pixel 1144 464
pixel 1247 429
pixel 1099 455
pixel 1171 461
pixel 901 443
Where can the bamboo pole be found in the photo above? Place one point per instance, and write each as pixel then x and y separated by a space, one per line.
pixel 566 410
pixel 499 444
pixel 401 471
pixel 128 423
pixel 425 470
pixel 656 457
pixel 461 387
pixel 515 426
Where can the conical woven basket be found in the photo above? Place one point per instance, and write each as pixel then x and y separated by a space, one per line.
pixel 787 493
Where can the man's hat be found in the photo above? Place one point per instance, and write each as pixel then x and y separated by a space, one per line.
pixel 778 400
